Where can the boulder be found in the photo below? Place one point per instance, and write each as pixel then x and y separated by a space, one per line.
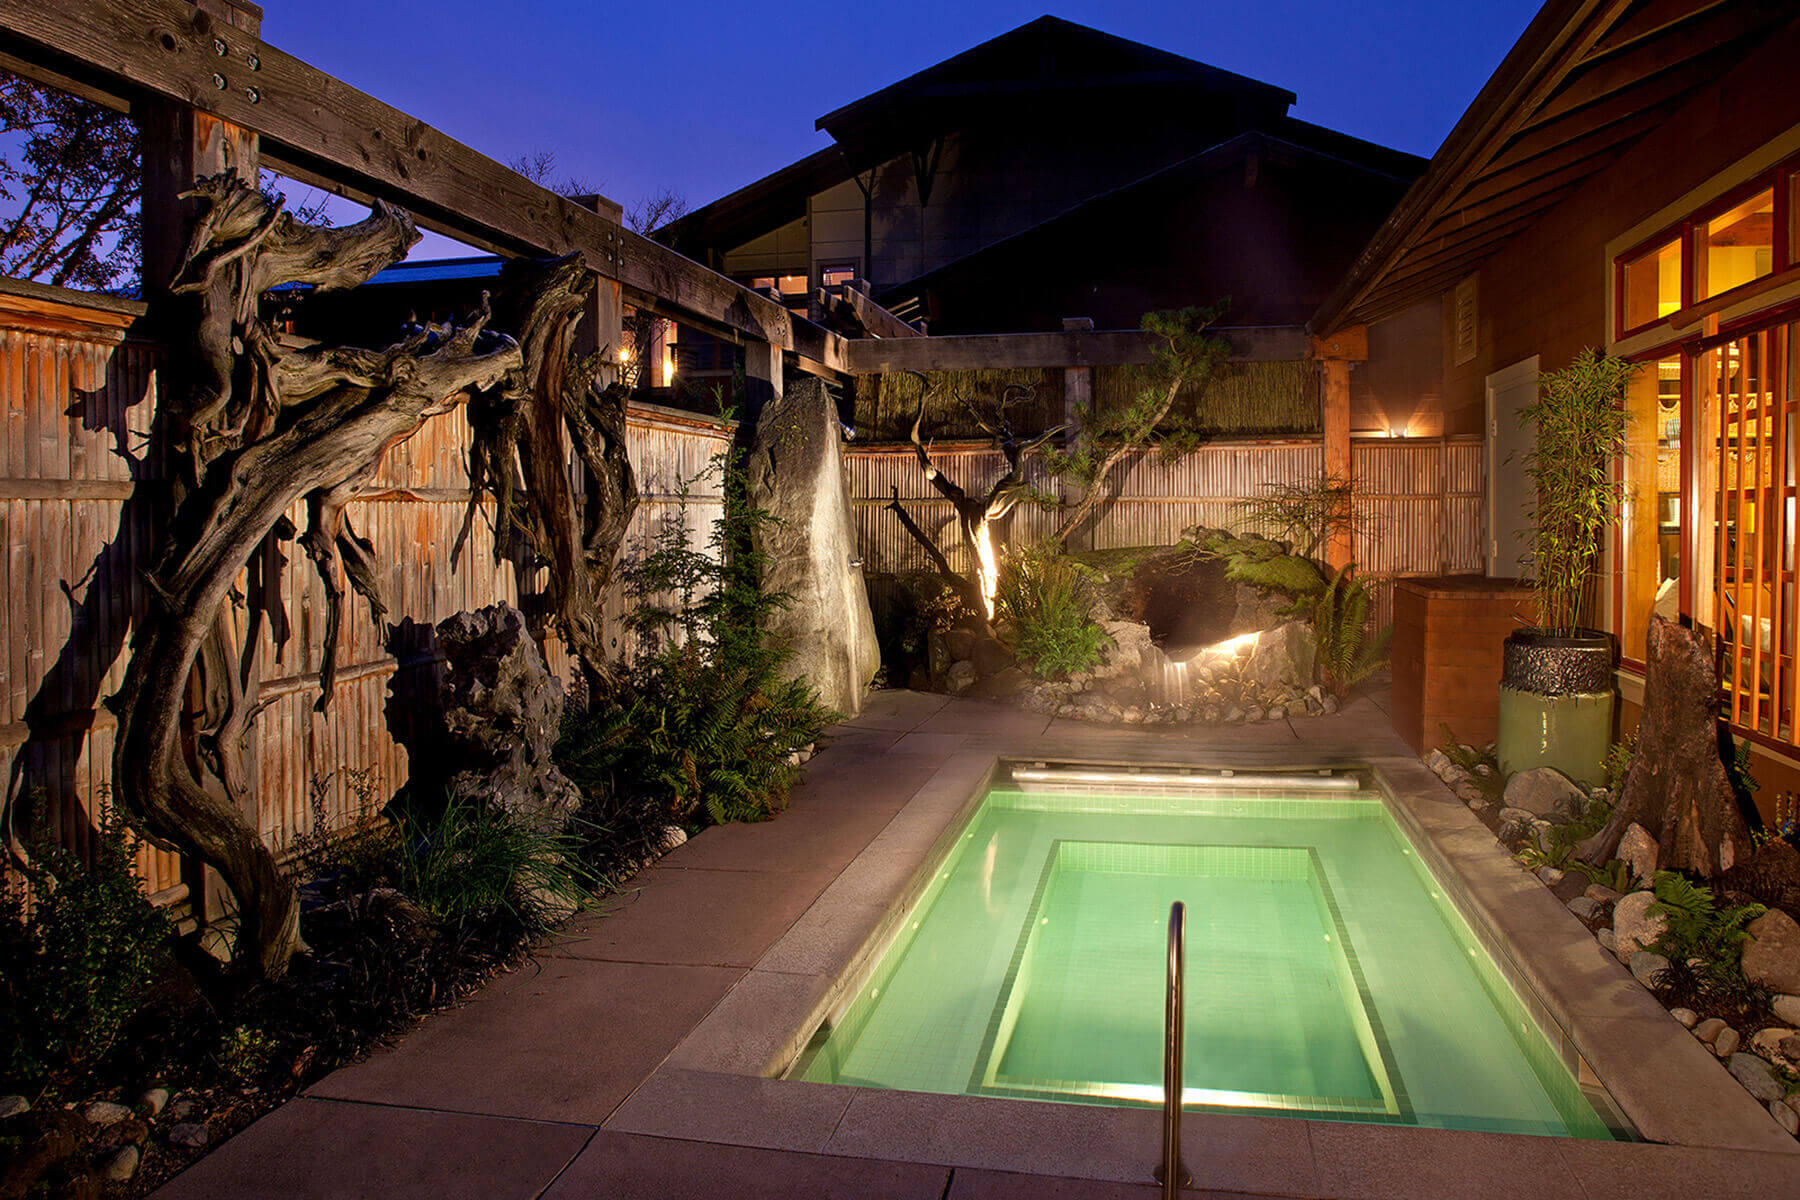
pixel 961 676
pixel 1281 659
pixel 1727 1042
pixel 1638 848
pixel 493 719
pixel 1787 1008
pixel 1634 928
pixel 1544 792
pixel 1772 953
pixel 1129 650
pixel 153 1101
pixel 1709 1030
pixel 13 1105
pixel 795 471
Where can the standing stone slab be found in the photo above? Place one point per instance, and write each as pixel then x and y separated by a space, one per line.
pixel 796 473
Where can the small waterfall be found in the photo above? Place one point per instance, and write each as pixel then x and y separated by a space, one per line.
pixel 1174 680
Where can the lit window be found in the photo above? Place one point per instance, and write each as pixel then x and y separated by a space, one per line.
pixel 837 275
pixel 1735 247
pixel 792 285
pixel 1652 285
pixel 1652 500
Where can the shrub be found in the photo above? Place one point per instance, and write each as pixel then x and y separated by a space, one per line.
pixel 79 958
pixel 472 861
pixel 1348 650
pixel 701 727
pixel 1703 942
pixel 1047 599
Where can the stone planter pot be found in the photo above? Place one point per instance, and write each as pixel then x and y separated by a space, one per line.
pixel 1556 703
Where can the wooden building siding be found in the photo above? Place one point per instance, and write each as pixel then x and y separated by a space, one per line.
pixel 77 400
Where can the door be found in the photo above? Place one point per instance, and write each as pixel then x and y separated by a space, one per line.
pixel 1508 491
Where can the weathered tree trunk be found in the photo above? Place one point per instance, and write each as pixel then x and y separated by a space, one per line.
pixel 256 428
pixel 1677 788
pixel 546 409
pixel 975 515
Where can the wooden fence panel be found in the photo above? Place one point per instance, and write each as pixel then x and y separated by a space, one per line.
pixel 76 399
pixel 1418 501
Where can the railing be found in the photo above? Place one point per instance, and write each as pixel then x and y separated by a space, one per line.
pixel 1170 1173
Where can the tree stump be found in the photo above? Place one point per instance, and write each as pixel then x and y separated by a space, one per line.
pixel 1677 787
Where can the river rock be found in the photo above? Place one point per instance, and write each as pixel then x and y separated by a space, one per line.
pixel 1607 942
pixel 1790 1047
pixel 1550 876
pixel 1469 792
pixel 1709 1030
pixel 1515 823
pixel 1772 955
pixel 1633 926
pixel 1638 848
pixel 1787 1008
pixel 1757 1076
pixel 1599 893
pixel 1687 1016
pixel 1726 1044
pixel 1584 908
pixel 12 1106
pixel 1436 761
pixel 795 471
pixel 120 1165
pixel 1784 1116
pixel 154 1101
pixel 104 1112
pixel 1767 1042
pixel 191 1135
pixel 1544 792
pixel 1647 967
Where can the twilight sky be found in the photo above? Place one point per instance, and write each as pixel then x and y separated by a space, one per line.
pixel 704 97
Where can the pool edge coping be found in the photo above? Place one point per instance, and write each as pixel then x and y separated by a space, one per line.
pixel 722 1073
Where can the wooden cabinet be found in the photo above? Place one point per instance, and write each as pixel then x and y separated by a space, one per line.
pixel 1448 631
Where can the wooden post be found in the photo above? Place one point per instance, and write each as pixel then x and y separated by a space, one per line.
pixel 1335 354
pixel 181 145
pixel 602 327
pixel 1078 403
pixel 762 382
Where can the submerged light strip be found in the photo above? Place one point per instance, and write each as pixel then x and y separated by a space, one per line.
pixel 1296 782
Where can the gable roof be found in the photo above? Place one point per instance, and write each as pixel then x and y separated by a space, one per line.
pixel 1585 81
pixel 1300 138
pixel 1028 66
pixel 1036 61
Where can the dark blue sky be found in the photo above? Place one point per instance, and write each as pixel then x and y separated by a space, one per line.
pixel 706 97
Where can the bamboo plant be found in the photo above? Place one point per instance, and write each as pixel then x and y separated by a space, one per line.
pixel 1580 417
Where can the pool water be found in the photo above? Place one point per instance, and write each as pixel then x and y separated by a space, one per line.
pixel 1328 974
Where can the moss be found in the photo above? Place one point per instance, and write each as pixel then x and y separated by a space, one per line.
pixel 1261 562
pixel 1120 562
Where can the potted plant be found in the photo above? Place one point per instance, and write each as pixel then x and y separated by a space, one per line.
pixel 1556 684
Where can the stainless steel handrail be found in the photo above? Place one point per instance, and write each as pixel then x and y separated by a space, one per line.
pixel 1170 1172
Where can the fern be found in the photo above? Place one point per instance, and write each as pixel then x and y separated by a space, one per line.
pixel 1348 650
pixel 1698 928
pixel 702 726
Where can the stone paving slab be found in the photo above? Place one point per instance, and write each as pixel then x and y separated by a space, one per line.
pixel 696 917
pixel 969 1184
pixel 1385 1162
pixel 818 839
pixel 564 1040
pixel 621 1166
pixel 324 1150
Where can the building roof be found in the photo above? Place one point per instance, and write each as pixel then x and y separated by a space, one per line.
pixel 1585 81
pixel 1029 66
pixel 1033 63
pixel 1300 137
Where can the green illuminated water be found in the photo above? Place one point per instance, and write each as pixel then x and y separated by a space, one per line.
pixel 1327 973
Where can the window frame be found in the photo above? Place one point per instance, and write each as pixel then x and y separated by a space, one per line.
pixel 1781 179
